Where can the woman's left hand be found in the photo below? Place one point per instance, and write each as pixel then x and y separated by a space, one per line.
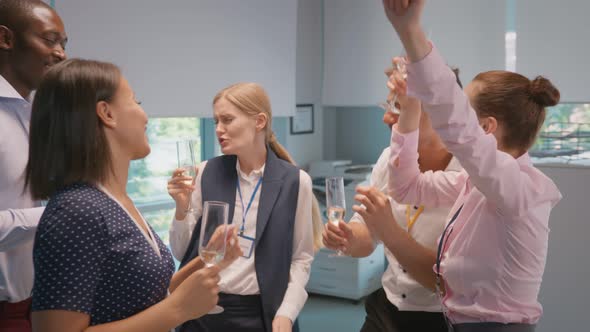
pixel 282 324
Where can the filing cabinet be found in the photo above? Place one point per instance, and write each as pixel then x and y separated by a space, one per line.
pixel 346 277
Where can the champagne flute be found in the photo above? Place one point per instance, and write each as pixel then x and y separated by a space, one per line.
pixel 213 237
pixel 400 67
pixel 185 152
pixel 335 202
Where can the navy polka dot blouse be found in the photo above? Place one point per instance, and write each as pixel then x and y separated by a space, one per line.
pixel 91 257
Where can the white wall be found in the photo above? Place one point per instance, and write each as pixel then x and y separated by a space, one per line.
pixel 355 133
pixel 178 54
pixel 308 147
pixel 565 290
pixel 552 40
pixel 359 44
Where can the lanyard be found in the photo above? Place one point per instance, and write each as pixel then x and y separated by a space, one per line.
pixel 438 259
pixel 440 245
pixel 245 212
pixel 411 220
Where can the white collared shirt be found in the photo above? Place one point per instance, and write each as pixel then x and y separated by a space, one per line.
pixel 401 289
pixel 240 276
pixel 19 214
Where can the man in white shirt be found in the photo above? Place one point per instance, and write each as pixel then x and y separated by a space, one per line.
pixel 32 39
pixel 402 304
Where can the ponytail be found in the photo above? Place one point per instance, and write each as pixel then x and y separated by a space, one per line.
pixel 316 217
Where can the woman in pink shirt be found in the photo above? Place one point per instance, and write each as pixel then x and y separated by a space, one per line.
pixel 491 256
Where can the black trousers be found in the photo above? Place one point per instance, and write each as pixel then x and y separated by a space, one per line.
pixel 242 313
pixel 383 316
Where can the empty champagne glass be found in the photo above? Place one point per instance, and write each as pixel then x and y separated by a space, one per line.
pixel 213 237
pixel 185 152
pixel 335 202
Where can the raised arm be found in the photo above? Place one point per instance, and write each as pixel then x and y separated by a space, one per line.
pixel 406 183
pixel 495 173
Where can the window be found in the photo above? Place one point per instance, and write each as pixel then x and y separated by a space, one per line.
pixel 148 177
pixel 565 136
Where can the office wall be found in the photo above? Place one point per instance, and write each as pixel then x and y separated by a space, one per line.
pixel 552 41
pixel 179 54
pixel 565 291
pixel 359 44
pixel 354 133
pixel 304 148
pixel 309 76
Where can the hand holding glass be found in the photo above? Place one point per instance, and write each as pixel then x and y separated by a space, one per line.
pixel 399 66
pixel 213 237
pixel 185 152
pixel 335 202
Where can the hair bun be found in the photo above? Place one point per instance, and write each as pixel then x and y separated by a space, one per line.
pixel 543 92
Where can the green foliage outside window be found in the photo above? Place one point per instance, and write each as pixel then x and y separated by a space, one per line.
pixel 148 177
pixel 565 133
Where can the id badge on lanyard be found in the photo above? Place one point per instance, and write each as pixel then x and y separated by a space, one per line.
pixel 439 255
pixel 245 242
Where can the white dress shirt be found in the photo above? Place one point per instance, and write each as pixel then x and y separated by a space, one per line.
pixel 240 276
pixel 18 215
pixel 401 290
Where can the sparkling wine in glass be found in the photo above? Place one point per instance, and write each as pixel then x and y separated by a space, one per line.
pixel 213 237
pixel 335 202
pixel 210 257
pixel 185 152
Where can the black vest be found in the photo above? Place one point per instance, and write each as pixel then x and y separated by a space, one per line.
pixel 274 224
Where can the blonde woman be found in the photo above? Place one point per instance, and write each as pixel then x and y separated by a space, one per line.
pixel 272 207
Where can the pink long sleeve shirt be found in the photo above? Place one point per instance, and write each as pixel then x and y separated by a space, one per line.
pixel 493 260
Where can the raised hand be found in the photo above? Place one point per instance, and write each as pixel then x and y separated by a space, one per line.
pixel 404 15
pixel 398 87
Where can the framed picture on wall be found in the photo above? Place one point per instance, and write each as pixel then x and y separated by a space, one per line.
pixel 302 122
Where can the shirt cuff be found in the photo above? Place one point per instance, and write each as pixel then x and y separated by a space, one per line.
pixel 180 226
pixel 291 306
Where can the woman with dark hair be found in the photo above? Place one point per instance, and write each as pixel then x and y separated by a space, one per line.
pixel 490 258
pixel 98 264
